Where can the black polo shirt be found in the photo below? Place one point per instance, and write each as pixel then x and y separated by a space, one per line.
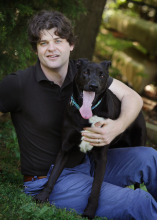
pixel 37 108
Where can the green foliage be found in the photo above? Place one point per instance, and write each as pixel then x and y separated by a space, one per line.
pixel 16 205
pixel 15 51
pixel 136 8
pixel 10 156
pixel 116 4
pixel 106 44
pixel 116 43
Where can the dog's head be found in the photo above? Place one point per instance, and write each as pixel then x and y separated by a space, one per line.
pixel 90 83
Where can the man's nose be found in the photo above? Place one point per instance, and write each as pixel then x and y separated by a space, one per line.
pixel 51 46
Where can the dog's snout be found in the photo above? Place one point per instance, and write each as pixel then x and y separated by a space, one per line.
pixel 93 87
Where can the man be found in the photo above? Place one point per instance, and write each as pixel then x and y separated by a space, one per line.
pixel 36 98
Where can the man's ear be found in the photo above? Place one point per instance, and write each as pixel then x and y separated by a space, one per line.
pixel 72 47
pixel 81 61
pixel 106 64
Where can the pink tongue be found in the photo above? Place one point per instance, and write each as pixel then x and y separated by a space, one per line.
pixel 85 109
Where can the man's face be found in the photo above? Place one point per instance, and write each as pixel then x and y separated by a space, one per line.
pixel 53 51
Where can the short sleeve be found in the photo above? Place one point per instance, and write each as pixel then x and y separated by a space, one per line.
pixel 9 93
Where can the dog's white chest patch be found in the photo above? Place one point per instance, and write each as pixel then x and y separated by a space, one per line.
pixel 84 145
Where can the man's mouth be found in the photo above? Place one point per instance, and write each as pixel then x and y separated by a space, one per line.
pixel 53 56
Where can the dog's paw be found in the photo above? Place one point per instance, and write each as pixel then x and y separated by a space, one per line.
pixel 87 216
pixel 90 210
pixel 42 197
pixel 85 146
pixel 94 119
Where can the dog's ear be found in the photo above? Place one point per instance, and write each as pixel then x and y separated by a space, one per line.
pixel 106 64
pixel 81 61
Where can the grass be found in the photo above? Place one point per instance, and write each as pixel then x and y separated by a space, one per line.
pixel 16 205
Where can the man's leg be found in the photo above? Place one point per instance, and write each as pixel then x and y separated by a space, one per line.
pixel 125 166
pixel 73 189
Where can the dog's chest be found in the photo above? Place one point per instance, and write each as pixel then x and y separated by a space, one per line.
pixel 84 145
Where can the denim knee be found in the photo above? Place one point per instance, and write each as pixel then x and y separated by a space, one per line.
pixel 145 155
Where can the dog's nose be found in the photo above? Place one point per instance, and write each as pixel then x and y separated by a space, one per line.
pixel 93 87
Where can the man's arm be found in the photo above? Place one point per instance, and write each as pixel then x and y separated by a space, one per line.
pixel 131 104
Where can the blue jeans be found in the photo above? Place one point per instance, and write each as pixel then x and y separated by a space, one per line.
pixel 125 166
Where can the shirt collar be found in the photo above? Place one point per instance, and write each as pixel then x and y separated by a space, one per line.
pixel 70 74
pixel 40 76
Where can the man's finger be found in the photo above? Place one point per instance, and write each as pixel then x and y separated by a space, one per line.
pixel 91 135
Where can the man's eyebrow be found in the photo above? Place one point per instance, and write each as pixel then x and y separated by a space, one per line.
pixel 42 40
pixel 54 37
pixel 57 37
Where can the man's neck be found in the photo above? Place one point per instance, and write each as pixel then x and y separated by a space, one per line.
pixel 54 75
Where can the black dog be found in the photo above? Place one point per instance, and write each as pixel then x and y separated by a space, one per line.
pixel 91 93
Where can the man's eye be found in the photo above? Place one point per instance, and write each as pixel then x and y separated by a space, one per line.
pixel 43 43
pixel 58 41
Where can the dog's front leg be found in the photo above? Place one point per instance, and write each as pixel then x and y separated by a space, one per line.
pixel 100 157
pixel 56 171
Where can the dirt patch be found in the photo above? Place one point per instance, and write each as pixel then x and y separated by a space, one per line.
pixel 150 114
pixel 150 110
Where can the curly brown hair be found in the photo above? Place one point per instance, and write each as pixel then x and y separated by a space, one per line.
pixel 46 20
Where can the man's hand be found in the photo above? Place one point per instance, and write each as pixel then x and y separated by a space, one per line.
pixel 103 132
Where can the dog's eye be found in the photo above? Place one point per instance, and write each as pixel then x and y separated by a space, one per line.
pixel 86 72
pixel 101 75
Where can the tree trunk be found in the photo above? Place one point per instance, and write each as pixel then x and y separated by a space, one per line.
pixel 87 27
